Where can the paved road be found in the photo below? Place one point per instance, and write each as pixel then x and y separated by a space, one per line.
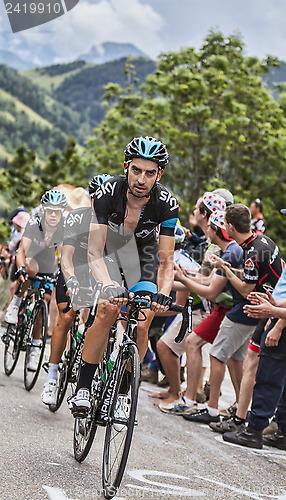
pixel 170 457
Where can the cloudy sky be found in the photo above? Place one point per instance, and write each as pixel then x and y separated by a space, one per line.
pixel 153 26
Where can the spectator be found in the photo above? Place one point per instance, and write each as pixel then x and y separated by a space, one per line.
pixel 258 223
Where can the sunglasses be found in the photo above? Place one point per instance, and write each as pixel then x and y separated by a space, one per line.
pixel 50 211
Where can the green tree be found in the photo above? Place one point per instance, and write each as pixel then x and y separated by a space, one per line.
pixel 63 166
pixel 220 123
pixel 19 180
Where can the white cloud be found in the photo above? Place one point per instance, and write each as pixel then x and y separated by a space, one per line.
pixel 91 24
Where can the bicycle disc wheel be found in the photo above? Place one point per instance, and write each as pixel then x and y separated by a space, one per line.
pixel 37 321
pixel 85 428
pixel 119 431
pixel 13 340
pixel 61 386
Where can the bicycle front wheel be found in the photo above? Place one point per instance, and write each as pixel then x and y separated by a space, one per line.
pixel 12 339
pixel 37 327
pixel 119 430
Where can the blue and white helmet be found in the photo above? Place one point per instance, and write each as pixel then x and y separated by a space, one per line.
pixel 148 148
pixel 96 181
pixel 179 234
pixel 54 199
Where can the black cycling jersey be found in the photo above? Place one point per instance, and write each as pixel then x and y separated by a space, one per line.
pixel 136 255
pixel 43 253
pixel 263 262
pixel 161 209
pixel 76 233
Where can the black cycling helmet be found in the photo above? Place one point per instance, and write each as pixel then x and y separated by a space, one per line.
pixel 148 148
pixel 54 199
pixel 96 181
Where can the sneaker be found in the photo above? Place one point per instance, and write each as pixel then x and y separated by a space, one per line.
pixel 11 315
pixel 79 403
pixel 250 437
pixel 33 361
pixel 278 440
pixel 271 429
pixel 49 394
pixel 178 407
pixel 226 426
pixel 202 416
pixel 121 412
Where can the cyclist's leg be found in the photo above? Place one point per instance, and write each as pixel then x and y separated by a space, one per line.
pixel 13 308
pixel 58 342
pixel 95 343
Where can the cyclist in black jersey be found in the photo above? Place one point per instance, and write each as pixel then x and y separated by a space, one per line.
pixel 75 274
pixel 36 255
pixel 124 239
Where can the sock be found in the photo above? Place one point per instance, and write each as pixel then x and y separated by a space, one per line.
pixel 16 301
pixel 238 420
pixel 53 371
pixel 87 371
pixel 214 412
pixel 125 383
pixel 189 402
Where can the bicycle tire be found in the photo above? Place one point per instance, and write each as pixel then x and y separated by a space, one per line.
pixel 30 377
pixel 85 428
pixel 116 442
pixel 61 386
pixel 13 338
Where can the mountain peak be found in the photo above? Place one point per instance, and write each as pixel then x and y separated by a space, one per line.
pixel 110 51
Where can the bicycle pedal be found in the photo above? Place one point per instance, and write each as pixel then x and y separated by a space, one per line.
pixel 79 412
pixel 46 367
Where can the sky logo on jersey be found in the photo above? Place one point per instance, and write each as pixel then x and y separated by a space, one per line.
pixel 169 198
pixel 106 188
pixel 249 265
pixel 25 14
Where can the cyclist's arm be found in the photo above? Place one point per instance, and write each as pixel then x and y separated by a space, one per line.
pixel 96 244
pixel 165 275
pixel 66 260
pixel 22 251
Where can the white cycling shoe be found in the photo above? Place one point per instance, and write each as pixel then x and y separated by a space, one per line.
pixel 11 315
pixel 79 403
pixel 33 362
pixel 121 412
pixel 49 394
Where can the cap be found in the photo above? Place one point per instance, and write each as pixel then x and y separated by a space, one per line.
pixel 217 218
pixel 283 211
pixel 213 201
pixel 225 194
pixel 21 219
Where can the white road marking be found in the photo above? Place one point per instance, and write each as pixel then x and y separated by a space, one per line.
pixel 56 494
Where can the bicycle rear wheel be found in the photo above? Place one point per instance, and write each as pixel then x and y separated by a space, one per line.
pixel 85 428
pixel 37 321
pixel 119 431
pixel 12 339
pixel 61 386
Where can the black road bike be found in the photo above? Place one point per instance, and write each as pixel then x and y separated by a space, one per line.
pixel 33 315
pixel 111 406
